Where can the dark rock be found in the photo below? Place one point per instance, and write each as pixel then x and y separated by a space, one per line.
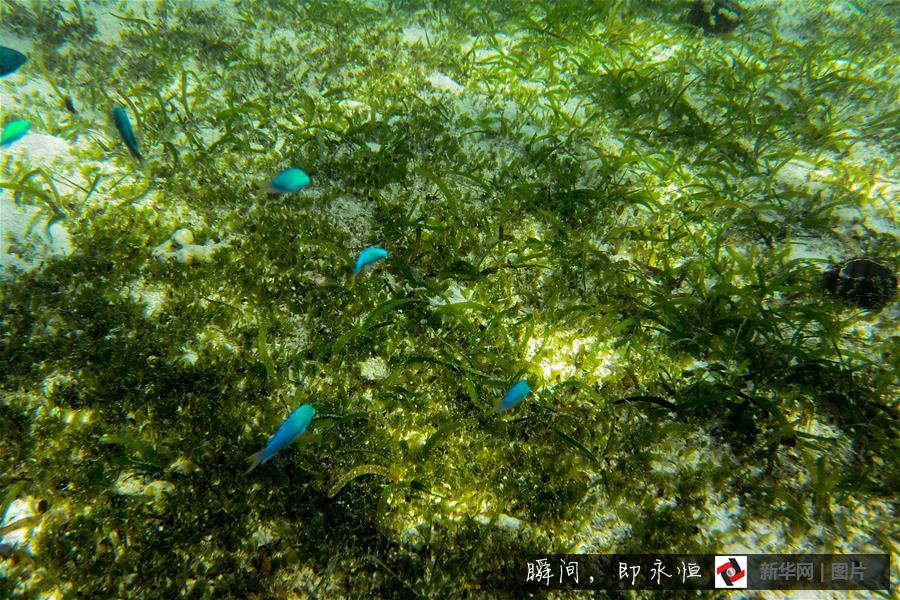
pixel 861 281
pixel 7 550
pixel 715 16
pixel 264 560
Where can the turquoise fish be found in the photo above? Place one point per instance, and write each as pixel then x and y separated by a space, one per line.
pixel 368 256
pixel 294 426
pixel 13 131
pixel 291 180
pixel 515 395
pixel 120 118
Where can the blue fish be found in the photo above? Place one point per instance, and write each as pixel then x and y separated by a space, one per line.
pixel 13 131
pixel 515 395
pixel 368 256
pixel 291 180
pixel 10 60
pixel 120 118
pixel 293 426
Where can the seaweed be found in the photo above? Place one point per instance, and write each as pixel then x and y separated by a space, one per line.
pixel 604 203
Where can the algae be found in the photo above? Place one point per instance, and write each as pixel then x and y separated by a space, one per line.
pixel 595 195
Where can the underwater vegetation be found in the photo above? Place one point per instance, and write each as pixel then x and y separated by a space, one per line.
pixel 616 224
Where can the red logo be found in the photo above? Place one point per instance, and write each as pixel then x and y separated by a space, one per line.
pixel 731 572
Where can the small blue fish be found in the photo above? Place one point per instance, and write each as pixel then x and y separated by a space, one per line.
pixel 293 426
pixel 368 256
pixel 515 395
pixel 120 118
pixel 13 131
pixel 10 60
pixel 289 181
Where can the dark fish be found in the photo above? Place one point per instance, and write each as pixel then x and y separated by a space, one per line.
pixel 69 104
pixel 10 60
pixel 120 117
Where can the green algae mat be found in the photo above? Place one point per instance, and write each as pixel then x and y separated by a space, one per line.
pixel 628 209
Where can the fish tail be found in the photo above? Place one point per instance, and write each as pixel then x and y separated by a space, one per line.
pixel 132 146
pixel 255 460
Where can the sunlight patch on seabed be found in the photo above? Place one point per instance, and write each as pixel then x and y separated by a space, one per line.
pixel 152 296
pixel 454 294
pixel 56 380
pixel 374 368
pixel 24 523
pixel 26 240
pixel 563 354
pixel 43 408
pixel 567 354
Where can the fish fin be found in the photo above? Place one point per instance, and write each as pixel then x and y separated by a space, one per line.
pixel 255 460
pixel 265 188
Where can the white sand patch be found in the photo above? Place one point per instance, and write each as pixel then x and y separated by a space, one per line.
pixel 25 240
pixel 22 512
pixel 815 249
pixel 452 295
pixel 37 149
pixel 798 173
pixel 864 221
pixel 564 355
pixel 181 247
pixel 374 369
pixel 881 222
pixel 352 106
pixel 14 41
pixel 109 28
pixel 151 296
pixel 605 532
pixel 444 83
pixel 415 34
pixel 133 484
pixel 663 53
pixel 354 215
